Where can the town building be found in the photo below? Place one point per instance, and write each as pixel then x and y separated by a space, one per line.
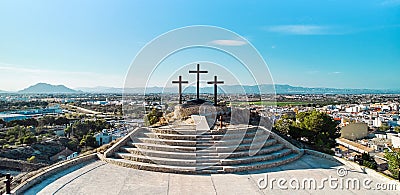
pixel 354 131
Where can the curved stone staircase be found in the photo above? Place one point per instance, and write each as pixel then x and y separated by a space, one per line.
pixel 184 150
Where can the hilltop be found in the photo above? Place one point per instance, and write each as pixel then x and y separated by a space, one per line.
pixel 47 88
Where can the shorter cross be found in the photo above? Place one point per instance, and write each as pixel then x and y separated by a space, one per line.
pixel 8 183
pixel 215 82
pixel 220 121
pixel 180 87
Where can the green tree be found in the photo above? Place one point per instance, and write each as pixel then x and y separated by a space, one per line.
pixel 68 131
pixel 2 123
pixel 61 121
pixel 88 140
pixel 82 128
pixel 73 145
pixel 393 162
pixel 25 123
pixel 3 141
pixel 397 129
pixel 284 124
pixel 46 120
pixel 317 128
pixel 153 117
pixel 30 139
pixel 384 127
pixel 368 161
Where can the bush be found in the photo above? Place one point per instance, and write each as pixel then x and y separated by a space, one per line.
pixel 393 162
pixel 153 117
pixel 369 164
pixel 11 140
pixel 3 141
pixel 31 159
pixel 29 140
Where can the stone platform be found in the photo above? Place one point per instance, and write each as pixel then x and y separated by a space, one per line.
pixel 100 177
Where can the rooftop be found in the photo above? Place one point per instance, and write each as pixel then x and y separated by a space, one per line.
pixel 357 145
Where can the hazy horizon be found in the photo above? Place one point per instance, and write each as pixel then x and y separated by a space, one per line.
pixel 205 86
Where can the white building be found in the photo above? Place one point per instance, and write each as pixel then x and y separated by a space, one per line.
pixel 377 122
pixel 103 137
pixel 395 141
pixel 106 137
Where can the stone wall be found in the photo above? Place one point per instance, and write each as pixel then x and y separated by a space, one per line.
pixel 283 141
pixel 52 169
pixel 185 111
pixel 109 152
pixel 357 167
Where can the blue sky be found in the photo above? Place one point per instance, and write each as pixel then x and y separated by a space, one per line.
pixel 312 43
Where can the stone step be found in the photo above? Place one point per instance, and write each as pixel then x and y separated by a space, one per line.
pixel 234 148
pixel 256 158
pixel 171 136
pixel 262 165
pixel 214 160
pixel 197 169
pixel 191 130
pixel 170 158
pixel 180 131
pixel 162 154
pixel 157 160
pixel 153 167
pixel 167 168
pixel 205 137
pixel 265 150
pixel 202 163
pixel 205 143
pixel 191 147
pixel 227 141
pixel 248 129
pixel 188 151
pixel 184 154
pixel 231 135
pixel 166 148
pixel 168 142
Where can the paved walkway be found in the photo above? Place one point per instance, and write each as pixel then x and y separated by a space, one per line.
pixel 101 178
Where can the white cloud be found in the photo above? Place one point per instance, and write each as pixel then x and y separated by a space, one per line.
pixel 300 29
pixel 336 72
pixel 227 42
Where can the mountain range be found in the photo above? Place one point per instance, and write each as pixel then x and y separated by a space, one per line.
pixel 41 88
pixel 47 88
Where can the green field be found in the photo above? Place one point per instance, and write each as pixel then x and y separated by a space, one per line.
pixel 269 103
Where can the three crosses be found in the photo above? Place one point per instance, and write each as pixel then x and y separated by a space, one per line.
pixel 198 72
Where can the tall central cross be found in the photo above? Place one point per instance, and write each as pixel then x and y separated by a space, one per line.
pixel 198 71
pixel 180 87
pixel 215 82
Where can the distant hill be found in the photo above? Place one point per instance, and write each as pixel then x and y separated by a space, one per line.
pixel 100 89
pixel 48 88
pixel 266 88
